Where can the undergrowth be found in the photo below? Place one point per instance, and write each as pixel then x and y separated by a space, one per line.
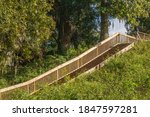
pixel 38 66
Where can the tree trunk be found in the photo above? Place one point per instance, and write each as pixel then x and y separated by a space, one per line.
pixel 104 22
pixel 60 28
pixel 64 36
pixel 63 28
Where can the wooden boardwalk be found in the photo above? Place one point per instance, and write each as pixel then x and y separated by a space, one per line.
pixel 91 59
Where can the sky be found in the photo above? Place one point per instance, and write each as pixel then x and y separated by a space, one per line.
pixel 117 26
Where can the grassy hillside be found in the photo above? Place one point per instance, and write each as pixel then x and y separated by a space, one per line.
pixel 124 77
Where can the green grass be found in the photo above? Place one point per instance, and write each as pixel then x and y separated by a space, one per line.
pixel 124 77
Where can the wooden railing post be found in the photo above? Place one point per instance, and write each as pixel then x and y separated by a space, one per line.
pixel 34 87
pixel 0 96
pixel 28 89
pixel 78 63
pixel 81 61
pixel 57 74
pixel 118 38
pixel 97 51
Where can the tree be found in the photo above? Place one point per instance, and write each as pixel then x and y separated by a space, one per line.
pixel 74 19
pixel 144 24
pixel 104 20
pixel 24 26
pixel 129 10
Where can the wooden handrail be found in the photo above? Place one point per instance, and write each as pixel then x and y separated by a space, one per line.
pixel 144 33
pixel 32 84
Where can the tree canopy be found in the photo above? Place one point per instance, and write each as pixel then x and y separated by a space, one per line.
pixel 24 26
pixel 27 26
pixel 129 10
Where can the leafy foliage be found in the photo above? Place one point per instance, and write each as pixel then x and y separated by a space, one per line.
pixel 75 23
pixel 38 66
pixel 24 26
